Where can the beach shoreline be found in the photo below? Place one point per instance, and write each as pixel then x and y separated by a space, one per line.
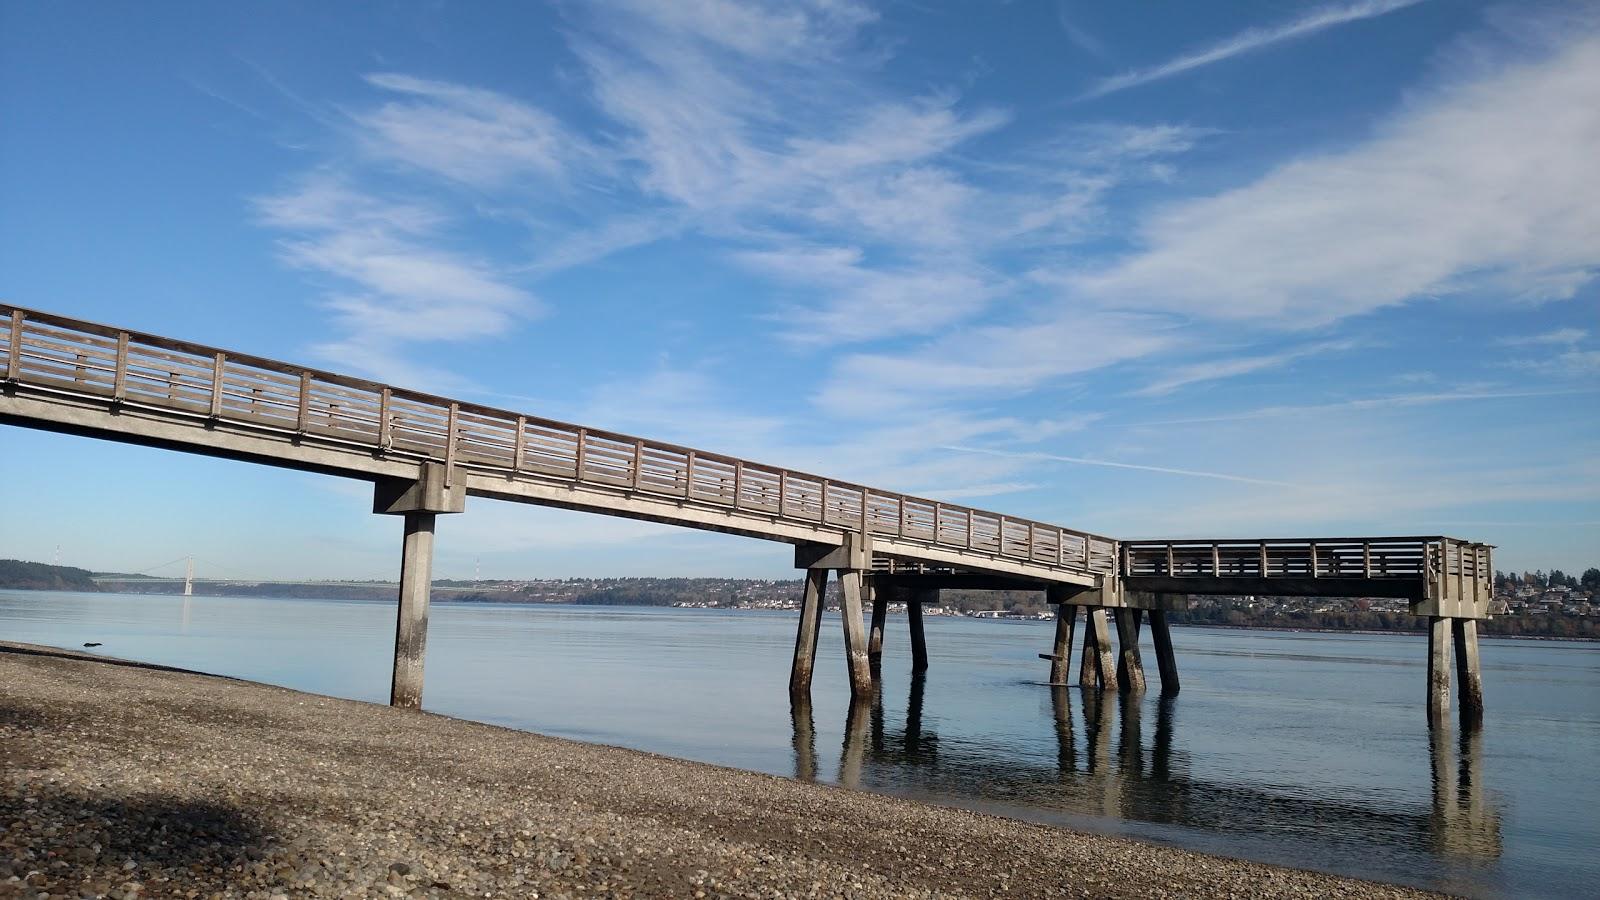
pixel 184 784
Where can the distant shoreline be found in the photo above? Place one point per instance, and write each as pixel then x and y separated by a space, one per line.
pixel 472 601
pixel 1418 633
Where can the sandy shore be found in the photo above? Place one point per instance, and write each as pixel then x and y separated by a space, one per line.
pixel 129 781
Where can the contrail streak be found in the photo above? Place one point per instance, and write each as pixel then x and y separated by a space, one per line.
pixel 1084 461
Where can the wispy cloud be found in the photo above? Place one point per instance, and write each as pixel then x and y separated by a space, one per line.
pixel 391 283
pixel 1215 370
pixel 1560 337
pixel 863 301
pixel 989 489
pixel 1086 461
pixel 1396 401
pixel 1247 41
pixel 1479 186
pixel 470 135
pixel 992 362
pixel 1080 36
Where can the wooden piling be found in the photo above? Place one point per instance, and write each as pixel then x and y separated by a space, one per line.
pixel 1161 636
pixel 805 639
pixel 855 633
pixel 411 619
pixel 1469 676
pixel 919 644
pixel 1438 669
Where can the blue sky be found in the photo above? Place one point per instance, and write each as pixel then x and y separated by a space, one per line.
pixel 1155 269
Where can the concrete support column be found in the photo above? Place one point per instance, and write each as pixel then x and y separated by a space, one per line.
pixel 1060 654
pixel 436 489
pixel 919 643
pixel 855 633
pixel 805 639
pixel 1438 669
pixel 1469 677
pixel 880 611
pixel 1089 657
pixel 1165 660
pixel 1104 659
pixel 411 622
pixel 1130 666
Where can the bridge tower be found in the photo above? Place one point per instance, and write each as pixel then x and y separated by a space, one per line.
pixel 188 579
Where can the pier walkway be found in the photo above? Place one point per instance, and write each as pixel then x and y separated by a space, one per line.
pixel 425 454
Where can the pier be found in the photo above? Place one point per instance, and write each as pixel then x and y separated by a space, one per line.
pixel 425 454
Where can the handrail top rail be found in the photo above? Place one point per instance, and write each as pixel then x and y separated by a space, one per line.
pixel 349 381
pixel 1142 543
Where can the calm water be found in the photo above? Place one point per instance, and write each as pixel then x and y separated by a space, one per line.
pixel 1303 749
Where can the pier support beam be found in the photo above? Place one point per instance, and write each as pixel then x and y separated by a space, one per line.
pixel 411 623
pixel 880 611
pixel 855 633
pixel 1165 660
pixel 436 490
pixel 1098 657
pixel 1438 669
pixel 1088 657
pixel 1130 666
pixel 853 561
pixel 919 643
pixel 1060 654
pixel 805 639
pixel 1469 676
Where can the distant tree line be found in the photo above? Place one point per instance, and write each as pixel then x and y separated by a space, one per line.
pixel 1588 581
pixel 1356 618
pixel 31 576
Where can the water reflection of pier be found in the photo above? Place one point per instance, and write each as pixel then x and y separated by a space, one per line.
pixel 1104 768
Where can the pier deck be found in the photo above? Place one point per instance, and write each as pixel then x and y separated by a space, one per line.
pixel 425 454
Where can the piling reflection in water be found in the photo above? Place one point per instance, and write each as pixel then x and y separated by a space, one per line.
pixel 1106 770
pixel 1465 824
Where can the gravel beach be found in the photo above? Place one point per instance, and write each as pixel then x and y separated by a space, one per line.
pixel 131 781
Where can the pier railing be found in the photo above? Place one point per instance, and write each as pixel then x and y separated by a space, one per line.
pixel 1427 558
pixel 203 384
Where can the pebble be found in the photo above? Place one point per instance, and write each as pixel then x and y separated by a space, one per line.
pixel 140 783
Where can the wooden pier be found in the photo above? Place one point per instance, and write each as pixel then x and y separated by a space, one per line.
pixel 426 454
